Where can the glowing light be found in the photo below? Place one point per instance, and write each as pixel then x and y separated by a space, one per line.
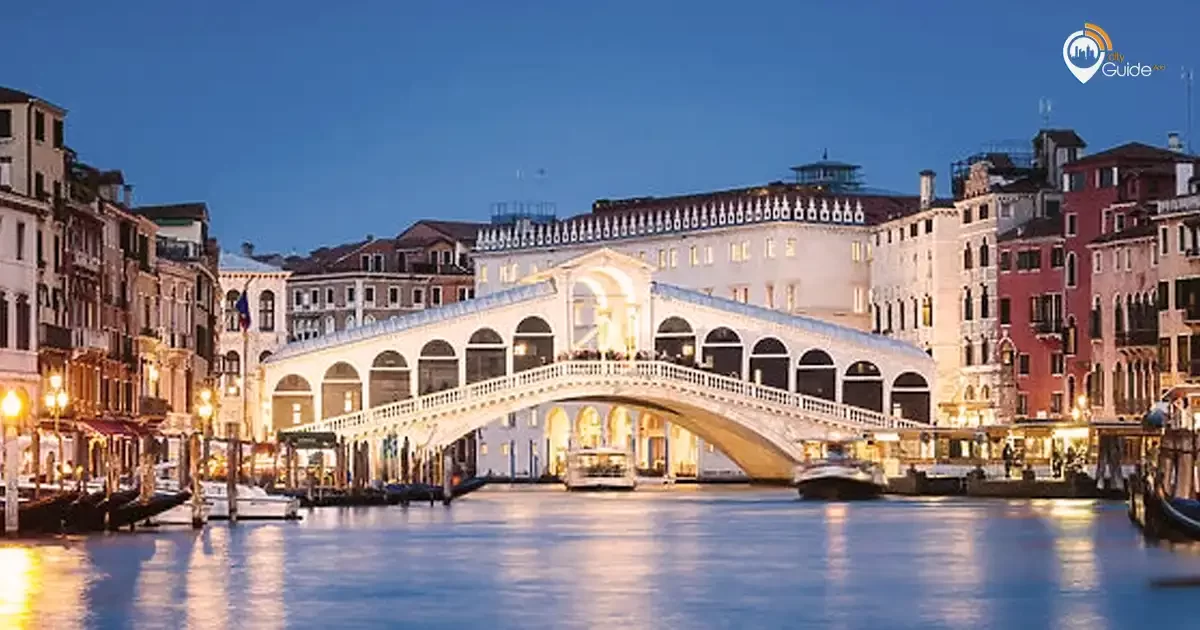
pixel 56 381
pixel 61 399
pixel 11 405
pixel 520 350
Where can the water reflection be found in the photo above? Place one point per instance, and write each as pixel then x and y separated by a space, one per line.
pixel 537 559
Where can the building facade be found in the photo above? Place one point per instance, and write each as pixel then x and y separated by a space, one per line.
pixel 19 220
pixel 242 352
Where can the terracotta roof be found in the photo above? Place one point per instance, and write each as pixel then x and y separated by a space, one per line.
pixel 464 232
pixel 197 211
pixel 1133 151
pixel 1038 227
pixel 1141 230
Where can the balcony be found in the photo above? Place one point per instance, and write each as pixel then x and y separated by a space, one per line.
pixel 85 339
pixel 154 407
pixel 85 261
pixel 51 336
pixel 1047 328
pixel 175 249
pixel 1147 337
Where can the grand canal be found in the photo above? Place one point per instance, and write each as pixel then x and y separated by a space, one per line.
pixel 690 558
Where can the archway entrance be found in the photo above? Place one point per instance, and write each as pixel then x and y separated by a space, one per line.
pixel 769 363
pixel 437 368
pixel 292 403
pixel 816 375
pixel 675 340
pixel 533 344
pixel 723 352
pixel 390 378
pixel 341 390
pixel 486 356
pixel 862 386
pixel 910 392
pixel 558 440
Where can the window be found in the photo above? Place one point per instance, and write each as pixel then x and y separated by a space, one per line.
pixel 418 297
pixel 860 300
pixel 1005 209
pixel 1119 222
pixel 927 311
pixel 5 170
pixel 769 248
pixel 266 311
pixel 58 134
pixel 1107 177
pixel 984 257
pixel 1005 311
pixel 1056 257
pixel 23 322
pixel 983 212
pixel 482 274
pixel 349 295
pixel 39 126
pixel 3 320
pixel 912 229
pixel 1022 404
pixel 435 296
pixel 1052 207
pixel 369 295
pixel 693 255
pixel 329 301
pixel 366 262
pixel 1071 276
pixel 1075 181
pixel 662 259
pixel 708 254
pixel 770 296
pixel 856 251
pixel 1005 261
pixel 465 293
pixel 5 123
pixel 1072 224
pixel 1182 353
pixel 20 240
pixel 789 248
pixel 1097 262
pixel 1056 402
pixel 985 304
pixel 1056 363
pixel 1023 364
pixel 1128 259
pixel 297 298
pixel 393 296
pixel 968 257
pixel 966 215
pixel 673 258
pixel 968 306
pixel 791 298
pixel 928 226
pixel 968 354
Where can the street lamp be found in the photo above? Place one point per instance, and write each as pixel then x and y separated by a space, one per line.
pixel 204 410
pixel 12 406
pixel 56 401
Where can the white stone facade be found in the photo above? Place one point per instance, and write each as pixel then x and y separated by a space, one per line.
pixel 241 400
pixel 19 220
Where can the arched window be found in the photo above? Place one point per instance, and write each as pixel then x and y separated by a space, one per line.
pixel 231 314
pixel 968 353
pixel 985 351
pixel 967 257
pixel 1118 316
pixel 1071 278
pixel 968 305
pixel 900 306
pixel 330 325
pixel 985 304
pixel 266 311
pixel 233 362
pixel 985 258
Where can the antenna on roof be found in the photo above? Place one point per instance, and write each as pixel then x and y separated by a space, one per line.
pixel 825 154
pixel 1187 75
pixel 1044 109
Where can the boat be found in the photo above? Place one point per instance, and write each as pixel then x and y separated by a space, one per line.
pixel 600 468
pixel 136 511
pixel 253 503
pixel 1163 495
pixel 839 477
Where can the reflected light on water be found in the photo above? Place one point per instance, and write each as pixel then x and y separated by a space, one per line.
pixel 266 561
pixel 19 578
pixel 157 582
pixel 207 600
pixel 836 563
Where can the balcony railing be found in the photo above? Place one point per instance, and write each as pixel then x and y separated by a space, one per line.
pixel 51 336
pixel 174 249
pixel 1047 327
pixel 86 261
pixel 1140 337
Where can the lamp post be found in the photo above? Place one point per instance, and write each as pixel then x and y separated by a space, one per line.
pixel 204 410
pixel 56 401
pixel 12 408
pixel 233 457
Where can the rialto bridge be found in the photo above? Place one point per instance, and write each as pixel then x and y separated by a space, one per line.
pixel 752 381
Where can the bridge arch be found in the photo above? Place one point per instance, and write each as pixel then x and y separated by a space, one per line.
pixel 723 352
pixel 559 427
pixel 862 386
pixel 292 402
pixel 341 390
pixel 589 428
pixel 486 356
pixel 437 367
pixel 769 363
pixel 533 344
pixel 816 375
pixel 390 379
pixel 675 339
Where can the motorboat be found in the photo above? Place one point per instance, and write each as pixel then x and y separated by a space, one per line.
pixel 600 468
pixel 839 477
pixel 253 503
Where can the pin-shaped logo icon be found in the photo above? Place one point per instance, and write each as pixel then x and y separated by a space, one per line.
pixel 1085 51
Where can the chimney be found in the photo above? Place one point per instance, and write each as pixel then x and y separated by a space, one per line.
pixel 248 249
pixel 927 190
pixel 1173 142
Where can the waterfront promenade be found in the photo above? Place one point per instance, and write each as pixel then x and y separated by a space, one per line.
pixel 685 558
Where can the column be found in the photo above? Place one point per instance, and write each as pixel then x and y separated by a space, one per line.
pixel 670 470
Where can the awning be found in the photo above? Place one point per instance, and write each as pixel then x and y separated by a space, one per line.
pixel 113 427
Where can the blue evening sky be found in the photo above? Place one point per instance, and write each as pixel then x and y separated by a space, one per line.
pixel 305 123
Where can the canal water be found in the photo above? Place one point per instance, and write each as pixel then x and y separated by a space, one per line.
pixel 687 558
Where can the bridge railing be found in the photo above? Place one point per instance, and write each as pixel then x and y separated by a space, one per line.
pixel 414 410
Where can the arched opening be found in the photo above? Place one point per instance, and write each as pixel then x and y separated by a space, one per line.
pixel 486 356
pixel 676 340
pixel 816 376
pixel 232 319
pixel 619 427
pixel 769 363
pixel 588 430
pixel 533 344
pixel 233 363
pixel 292 403
pixel 723 352
pixel 391 378
pixel 341 390
pixel 1070 402
pixel 862 386
pixel 266 354
pixel 910 393
pixel 437 367
pixel 558 440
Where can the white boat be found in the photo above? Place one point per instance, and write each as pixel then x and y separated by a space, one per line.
pixel 600 468
pixel 253 503
pixel 840 478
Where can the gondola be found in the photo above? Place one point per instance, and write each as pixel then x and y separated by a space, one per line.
pixel 136 511
pixel 44 515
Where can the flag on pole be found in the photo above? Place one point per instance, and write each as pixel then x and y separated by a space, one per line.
pixel 243 309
